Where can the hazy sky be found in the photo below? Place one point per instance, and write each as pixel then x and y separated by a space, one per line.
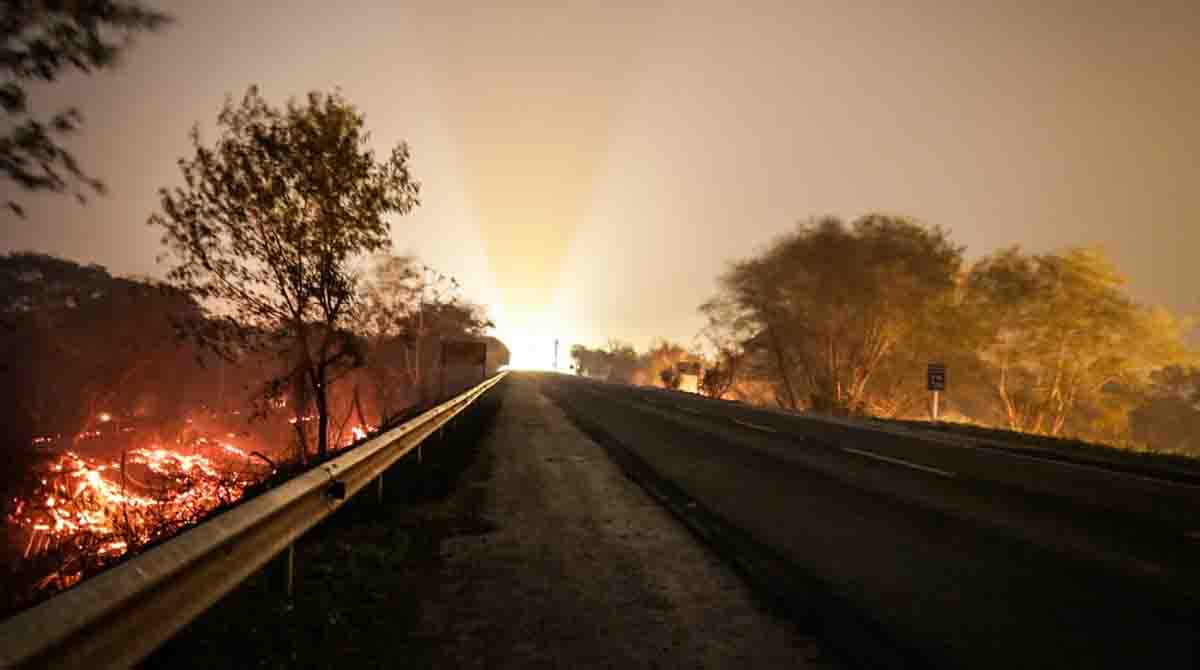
pixel 588 171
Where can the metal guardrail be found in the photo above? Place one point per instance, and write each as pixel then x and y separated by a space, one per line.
pixel 118 617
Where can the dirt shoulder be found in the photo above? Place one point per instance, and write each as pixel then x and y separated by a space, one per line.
pixel 531 549
pixel 584 570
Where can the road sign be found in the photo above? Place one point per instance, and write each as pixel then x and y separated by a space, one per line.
pixel 936 377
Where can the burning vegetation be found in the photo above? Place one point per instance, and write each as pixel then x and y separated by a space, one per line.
pixel 273 321
pixel 123 434
pixel 77 514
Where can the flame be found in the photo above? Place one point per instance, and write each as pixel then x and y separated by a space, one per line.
pixel 106 508
pixel 97 510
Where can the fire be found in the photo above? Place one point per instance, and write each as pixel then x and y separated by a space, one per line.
pixel 87 512
pixel 98 510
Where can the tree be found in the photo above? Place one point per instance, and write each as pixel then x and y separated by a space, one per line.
pixel 617 361
pixel 623 361
pixel 1169 418
pixel 268 224
pixel 1062 337
pixel 86 338
pixel 944 332
pixel 77 341
pixel 588 361
pixel 668 378
pixel 725 333
pixel 406 311
pixel 43 40
pixel 829 303
pixel 657 365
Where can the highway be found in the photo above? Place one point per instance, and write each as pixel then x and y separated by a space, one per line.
pixel 956 556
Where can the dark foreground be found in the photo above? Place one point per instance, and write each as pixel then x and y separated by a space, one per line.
pixel 910 553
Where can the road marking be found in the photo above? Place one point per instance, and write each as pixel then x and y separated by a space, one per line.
pixel 755 426
pixel 897 461
pixel 1049 460
pixel 689 410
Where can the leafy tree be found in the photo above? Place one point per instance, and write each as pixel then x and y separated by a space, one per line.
pixel 588 361
pixel 86 339
pixel 623 361
pixel 946 333
pixel 1061 336
pixel 268 224
pixel 830 302
pixel 668 378
pixel 1169 417
pixel 657 365
pixel 725 332
pixel 617 361
pixel 43 40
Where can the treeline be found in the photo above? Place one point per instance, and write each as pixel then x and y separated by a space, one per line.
pixel 78 344
pixel 843 317
pixel 619 361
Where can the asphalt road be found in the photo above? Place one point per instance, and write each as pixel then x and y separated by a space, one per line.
pixel 962 556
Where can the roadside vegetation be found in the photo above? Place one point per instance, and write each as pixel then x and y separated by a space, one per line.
pixel 286 331
pixel 843 317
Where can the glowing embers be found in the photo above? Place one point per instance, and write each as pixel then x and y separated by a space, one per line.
pixel 92 509
pixel 85 512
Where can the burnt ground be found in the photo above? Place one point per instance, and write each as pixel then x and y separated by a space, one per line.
pixel 524 548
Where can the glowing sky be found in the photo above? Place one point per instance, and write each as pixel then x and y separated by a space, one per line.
pixel 589 170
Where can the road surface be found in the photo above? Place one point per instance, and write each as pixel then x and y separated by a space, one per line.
pixel 956 556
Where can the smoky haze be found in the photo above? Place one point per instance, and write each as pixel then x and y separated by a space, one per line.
pixel 590 170
pixel 531 93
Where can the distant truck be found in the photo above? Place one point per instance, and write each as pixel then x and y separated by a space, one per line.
pixel 689 373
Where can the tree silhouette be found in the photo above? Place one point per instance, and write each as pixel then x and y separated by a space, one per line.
pixel 268 225
pixel 42 40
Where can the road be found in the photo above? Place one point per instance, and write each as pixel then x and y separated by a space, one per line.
pixel 956 555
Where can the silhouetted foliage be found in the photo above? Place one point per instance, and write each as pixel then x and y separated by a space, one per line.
pixel 79 341
pixel 1061 336
pixel 267 226
pixel 42 41
pixel 657 365
pixel 406 311
pixel 725 333
pixel 1169 418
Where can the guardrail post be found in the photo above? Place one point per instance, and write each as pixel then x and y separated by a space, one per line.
pixel 379 488
pixel 284 567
